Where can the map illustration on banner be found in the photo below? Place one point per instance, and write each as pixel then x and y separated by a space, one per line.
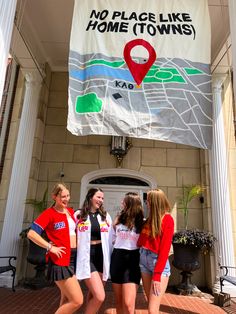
pixel 141 71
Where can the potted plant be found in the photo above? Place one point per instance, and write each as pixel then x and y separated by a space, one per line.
pixel 189 243
pixel 36 254
pixel 202 240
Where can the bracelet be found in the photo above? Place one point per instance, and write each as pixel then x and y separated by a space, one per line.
pixel 49 247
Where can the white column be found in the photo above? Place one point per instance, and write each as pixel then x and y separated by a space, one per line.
pixel 15 205
pixel 220 197
pixel 7 14
pixel 232 14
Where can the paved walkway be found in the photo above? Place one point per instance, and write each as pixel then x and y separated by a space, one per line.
pixel 46 300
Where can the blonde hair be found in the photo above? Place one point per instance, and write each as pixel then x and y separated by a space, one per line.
pixel 58 188
pixel 158 206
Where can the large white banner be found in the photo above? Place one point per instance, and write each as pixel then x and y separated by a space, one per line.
pixel 141 69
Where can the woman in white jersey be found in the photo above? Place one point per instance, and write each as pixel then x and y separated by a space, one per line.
pixel 94 246
pixel 125 271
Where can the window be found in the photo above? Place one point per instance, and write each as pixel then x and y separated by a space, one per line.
pixel 118 180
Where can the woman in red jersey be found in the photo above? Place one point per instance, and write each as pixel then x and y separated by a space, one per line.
pixel 59 224
pixel 155 242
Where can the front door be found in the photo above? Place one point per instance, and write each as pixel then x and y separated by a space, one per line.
pixel 114 195
pixel 116 183
pixel 113 198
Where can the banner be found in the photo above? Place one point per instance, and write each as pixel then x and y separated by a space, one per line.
pixel 141 68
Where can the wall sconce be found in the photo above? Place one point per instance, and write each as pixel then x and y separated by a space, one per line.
pixel 119 147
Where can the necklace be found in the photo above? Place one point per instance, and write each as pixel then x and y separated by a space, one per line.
pixel 93 214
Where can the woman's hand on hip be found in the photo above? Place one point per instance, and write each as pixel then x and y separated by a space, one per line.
pixel 58 251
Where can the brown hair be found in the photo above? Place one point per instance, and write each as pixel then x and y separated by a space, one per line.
pixel 158 205
pixel 87 205
pixel 132 213
pixel 57 189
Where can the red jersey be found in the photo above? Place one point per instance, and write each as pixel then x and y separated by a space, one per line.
pixel 56 226
pixel 159 245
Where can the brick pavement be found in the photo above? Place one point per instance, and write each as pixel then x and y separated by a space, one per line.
pixel 46 300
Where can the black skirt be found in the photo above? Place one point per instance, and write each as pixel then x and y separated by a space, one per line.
pixel 57 272
pixel 125 266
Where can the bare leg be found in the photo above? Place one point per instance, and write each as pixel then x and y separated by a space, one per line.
pixel 117 288
pixel 63 299
pixel 88 297
pixel 155 301
pixel 129 292
pixel 96 291
pixel 147 281
pixel 125 296
pixel 70 288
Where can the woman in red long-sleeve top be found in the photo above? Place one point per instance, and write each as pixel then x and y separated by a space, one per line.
pixel 155 242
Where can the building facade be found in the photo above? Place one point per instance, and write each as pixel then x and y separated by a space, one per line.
pixel 37 151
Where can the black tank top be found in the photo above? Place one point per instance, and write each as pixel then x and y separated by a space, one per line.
pixel 95 227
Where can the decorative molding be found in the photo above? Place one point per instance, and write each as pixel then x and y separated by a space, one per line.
pixel 7 15
pixel 220 196
pixel 217 81
pixel 232 13
pixel 32 77
pixel 114 172
pixel 15 204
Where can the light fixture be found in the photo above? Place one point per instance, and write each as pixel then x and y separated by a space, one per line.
pixel 119 147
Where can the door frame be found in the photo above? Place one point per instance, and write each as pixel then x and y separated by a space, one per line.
pixel 152 183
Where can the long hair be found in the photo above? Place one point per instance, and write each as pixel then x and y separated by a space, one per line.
pixel 57 189
pixel 158 205
pixel 132 213
pixel 87 205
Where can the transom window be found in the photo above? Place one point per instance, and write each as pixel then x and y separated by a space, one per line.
pixel 118 180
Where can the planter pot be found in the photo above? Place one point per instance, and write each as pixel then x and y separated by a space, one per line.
pixel 186 259
pixel 37 256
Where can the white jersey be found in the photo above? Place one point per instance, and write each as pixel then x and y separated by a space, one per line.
pixel 125 238
pixel 83 246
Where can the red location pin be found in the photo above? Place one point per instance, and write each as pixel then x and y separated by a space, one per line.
pixel 137 70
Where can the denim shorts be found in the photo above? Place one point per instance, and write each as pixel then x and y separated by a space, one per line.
pixel 148 261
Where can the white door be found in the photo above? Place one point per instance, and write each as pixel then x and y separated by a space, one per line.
pixel 112 202
pixel 114 196
pixel 115 191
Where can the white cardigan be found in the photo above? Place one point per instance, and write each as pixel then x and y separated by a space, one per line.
pixel 83 229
